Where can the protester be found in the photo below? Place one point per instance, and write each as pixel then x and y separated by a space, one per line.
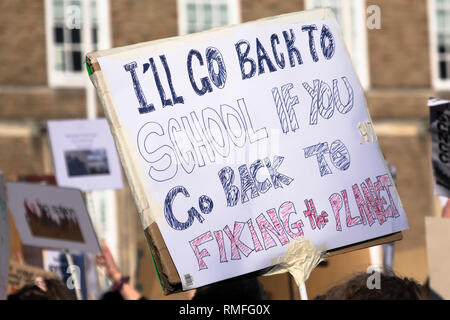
pixel 119 282
pixel 390 287
pixel 446 210
pixel 43 289
pixel 240 288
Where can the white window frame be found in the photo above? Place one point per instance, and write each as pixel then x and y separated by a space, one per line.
pixel 67 79
pixel 361 60
pixel 436 81
pixel 234 13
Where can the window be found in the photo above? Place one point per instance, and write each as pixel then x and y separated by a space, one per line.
pixel 199 15
pixel 439 13
pixel 70 36
pixel 351 16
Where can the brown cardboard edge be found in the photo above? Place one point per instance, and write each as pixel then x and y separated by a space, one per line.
pixel 165 267
pixel 171 281
pixel 167 272
pixel 366 244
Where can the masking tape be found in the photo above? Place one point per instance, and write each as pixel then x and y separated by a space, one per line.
pixel 300 259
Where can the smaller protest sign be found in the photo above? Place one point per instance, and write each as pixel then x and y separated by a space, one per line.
pixel 438 252
pixel 52 217
pixel 440 144
pixel 4 240
pixel 56 262
pixel 20 275
pixel 84 154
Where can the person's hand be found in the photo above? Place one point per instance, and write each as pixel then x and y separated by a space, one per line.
pixel 106 262
pixel 446 210
pixel 40 282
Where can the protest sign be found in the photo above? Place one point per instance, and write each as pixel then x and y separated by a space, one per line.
pixel 51 217
pixel 438 252
pixel 440 144
pixel 240 140
pixel 4 240
pixel 20 275
pixel 56 262
pixel 84 154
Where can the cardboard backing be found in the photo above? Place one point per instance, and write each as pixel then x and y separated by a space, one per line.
pixel 165 267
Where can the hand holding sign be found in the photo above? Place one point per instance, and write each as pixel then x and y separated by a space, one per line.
pixel 106 261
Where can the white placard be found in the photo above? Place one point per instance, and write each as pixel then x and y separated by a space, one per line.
pixel 51 217
pixel 4 240
pixel 247 138
pixel 84 155
pixel 440 145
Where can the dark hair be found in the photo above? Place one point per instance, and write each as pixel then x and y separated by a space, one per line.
pixel 55 291
pixel 234 289
pixel 112 296
pixel 391 287
pixel 29 292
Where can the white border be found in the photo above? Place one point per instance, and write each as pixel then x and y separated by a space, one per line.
pixel 57 79
pixel 51 195
pixel 436 82
pixel 234 13
pixel 59 129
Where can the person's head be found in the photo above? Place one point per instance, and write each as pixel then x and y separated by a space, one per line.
pixel 57 290
pixel 235 289
pixel 43 289
pixel 29 292
pixel 364 287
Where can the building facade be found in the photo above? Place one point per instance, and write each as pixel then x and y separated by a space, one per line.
pixel 400 64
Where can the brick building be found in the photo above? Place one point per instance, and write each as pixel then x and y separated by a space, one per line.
pixel 400 65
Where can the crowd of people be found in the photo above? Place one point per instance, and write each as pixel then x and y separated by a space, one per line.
pixel 391 286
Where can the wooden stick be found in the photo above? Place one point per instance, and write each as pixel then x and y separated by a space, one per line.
pixel 74 276
pixel 303 293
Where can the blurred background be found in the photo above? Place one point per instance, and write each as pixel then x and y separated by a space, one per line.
pixel 402 58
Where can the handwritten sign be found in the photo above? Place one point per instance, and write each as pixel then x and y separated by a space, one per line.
pixel 51 217
pixel 243 139
pixel 4 240
pixel 21 275
pixel 84 155
pixel 440 145
pixel 56 262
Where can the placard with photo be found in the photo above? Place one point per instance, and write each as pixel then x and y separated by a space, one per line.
pixel 52 217
pixel 84 154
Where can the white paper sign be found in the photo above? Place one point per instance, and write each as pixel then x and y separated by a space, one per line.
pixel 248 138
pixel 4 240
pixel 440 145
pixel 51 217
pixel 84 154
